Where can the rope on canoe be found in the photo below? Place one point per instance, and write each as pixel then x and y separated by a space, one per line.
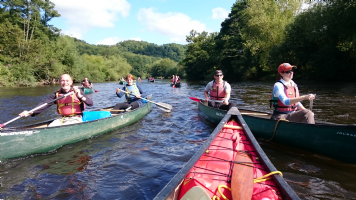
pixel 266 177
pixel 275 128
pixel 222 195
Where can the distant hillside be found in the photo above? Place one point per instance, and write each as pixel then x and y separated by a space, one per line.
pixel 91 49
pixel 172 51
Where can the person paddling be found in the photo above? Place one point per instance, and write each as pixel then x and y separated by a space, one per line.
pixel 86 83
pixel 219 90
pixel 71 107
pixel 133 99
pixel 173 80
pixel 286 100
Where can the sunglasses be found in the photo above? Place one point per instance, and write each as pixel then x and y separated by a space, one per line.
pixel 288 72
pixel 219 75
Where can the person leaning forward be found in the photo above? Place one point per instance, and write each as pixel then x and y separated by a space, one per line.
pixel 218 90
pixel 86 83
pixel 71 107
pixel 133 98
pixel 286 99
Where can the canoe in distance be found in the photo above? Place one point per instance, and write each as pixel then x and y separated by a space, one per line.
pixel 229 165
pixel 331 140
pixel 177 85
pixel 87 90
pixel 38 138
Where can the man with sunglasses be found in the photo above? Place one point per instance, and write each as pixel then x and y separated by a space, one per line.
pixel 286 100
pixel 219 91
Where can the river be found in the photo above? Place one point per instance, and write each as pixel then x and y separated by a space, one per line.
pixel 137 161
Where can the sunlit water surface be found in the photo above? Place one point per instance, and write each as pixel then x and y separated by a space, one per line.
pixel 137 161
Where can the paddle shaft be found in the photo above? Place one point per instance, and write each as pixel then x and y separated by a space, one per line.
pixel 148 100
pixel 38 107
pixel 311 104
pixel 199 100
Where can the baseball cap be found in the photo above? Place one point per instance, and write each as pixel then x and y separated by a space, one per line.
pixel 285 67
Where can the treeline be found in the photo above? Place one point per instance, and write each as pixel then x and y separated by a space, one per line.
pixel 161 63
pixel 172 51
pixel 32 51
pixel 259 35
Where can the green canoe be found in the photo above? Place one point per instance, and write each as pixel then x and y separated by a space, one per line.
pixel 122 82
pixel 332 140
pixel 87 90
pixel 38 138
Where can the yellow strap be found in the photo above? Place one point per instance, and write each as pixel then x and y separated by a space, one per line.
pixel 264 178
pixel 223 196
pixel 135 91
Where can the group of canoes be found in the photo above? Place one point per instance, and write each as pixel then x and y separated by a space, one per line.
pixel 229 165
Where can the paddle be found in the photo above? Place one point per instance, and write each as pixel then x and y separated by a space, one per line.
pixel 163 106
pixel 242 177
pixel 8 122
pixel 199 100
pixel 311 104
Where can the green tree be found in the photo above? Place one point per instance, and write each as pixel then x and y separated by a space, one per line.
pixel 322 41
pixel 201 59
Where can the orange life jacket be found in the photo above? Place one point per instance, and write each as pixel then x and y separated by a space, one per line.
pixel 69 105
pixel 218 91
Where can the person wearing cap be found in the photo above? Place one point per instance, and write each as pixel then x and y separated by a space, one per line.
pixel 286 100
pixel 219 91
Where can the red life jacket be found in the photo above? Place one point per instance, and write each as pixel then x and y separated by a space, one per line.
pixel 291 92
pixel 218 91
pixel 69 105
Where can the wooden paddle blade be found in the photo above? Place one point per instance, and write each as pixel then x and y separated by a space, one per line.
pixel 242 177
pixel 195 99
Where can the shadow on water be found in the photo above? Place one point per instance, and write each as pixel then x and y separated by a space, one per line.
pixel 136 162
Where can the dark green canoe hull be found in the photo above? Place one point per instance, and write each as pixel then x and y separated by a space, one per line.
pixel 334 141
pixel 17 142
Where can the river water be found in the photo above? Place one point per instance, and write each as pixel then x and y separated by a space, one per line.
pixel 137 161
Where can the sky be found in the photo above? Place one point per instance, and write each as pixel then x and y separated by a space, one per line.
pixel 155 21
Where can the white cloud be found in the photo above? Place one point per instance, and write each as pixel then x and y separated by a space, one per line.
pixel 110 41
pixel 175 25
pixel 220 13
pixel 73 33
pixel 114 40
pixel 82 15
